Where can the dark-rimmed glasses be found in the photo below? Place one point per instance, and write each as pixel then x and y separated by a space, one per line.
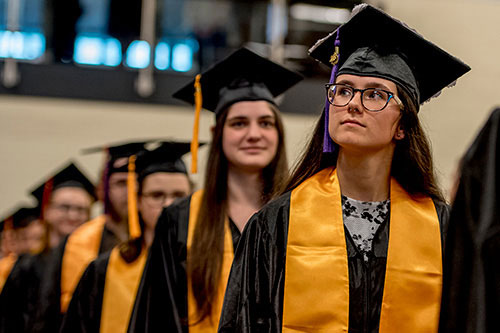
pixel 372 99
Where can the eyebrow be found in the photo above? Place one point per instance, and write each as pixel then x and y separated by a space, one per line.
pixel 245 117
pixel 368 84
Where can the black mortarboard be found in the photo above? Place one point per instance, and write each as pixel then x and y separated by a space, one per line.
pixel 118 151
pixel 22 217
pixel 242 76
pixel 165 158
pixel 373 43
pixel 69 176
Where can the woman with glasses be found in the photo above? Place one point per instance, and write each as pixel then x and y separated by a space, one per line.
pixel 105 295
pixel 355 242
pixel 185 277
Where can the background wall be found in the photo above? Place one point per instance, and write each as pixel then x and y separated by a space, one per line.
pixel 37 135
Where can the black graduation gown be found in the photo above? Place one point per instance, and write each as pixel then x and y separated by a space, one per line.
pixel 19 297
pixel 48 316
pixel 161 303
pixel 254 295
pixel 471 272
pixel 84 311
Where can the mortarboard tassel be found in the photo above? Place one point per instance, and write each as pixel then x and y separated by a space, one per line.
pixel 328 145
pixel 194 142
pixel 47 192
pixel 133 216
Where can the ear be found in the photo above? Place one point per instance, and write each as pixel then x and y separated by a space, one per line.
pixel 399 134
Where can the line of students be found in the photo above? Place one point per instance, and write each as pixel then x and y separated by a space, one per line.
pixel 352 241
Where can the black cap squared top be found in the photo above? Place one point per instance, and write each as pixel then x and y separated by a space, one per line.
pixel 373 43
pixel 22 217
pixel 165 158
pixel 242 76
pixel 69 176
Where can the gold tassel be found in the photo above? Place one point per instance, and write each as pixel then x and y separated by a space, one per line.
pixel 194 142
pixel 134 228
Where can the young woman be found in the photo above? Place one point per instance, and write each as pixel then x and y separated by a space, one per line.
pixel 105 295
pixel 186 273
pixel 355 243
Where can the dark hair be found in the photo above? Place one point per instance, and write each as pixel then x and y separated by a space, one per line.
pixel 412 164
pixel 204 267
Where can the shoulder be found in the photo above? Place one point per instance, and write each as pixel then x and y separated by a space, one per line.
pixel 443 211
pixel 174 219
pixel 272 219
pixel 92 227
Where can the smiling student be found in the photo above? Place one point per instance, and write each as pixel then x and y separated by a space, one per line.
pixel 186 273
pixel 355 242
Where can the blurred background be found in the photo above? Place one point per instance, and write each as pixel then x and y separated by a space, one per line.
pixel 82 73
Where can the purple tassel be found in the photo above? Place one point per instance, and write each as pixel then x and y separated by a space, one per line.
pixel 328 144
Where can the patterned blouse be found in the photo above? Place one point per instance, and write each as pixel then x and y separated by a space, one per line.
pixel 362 219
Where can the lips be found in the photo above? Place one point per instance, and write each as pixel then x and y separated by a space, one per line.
pixel 251 149
pixel 352 122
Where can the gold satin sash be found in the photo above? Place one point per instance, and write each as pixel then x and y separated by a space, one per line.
pixel 120 290
pixel 6 265
pixel 209 324
pixel 81 248
pixel 316 296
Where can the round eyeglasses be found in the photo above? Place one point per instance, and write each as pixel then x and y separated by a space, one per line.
pixel 372 99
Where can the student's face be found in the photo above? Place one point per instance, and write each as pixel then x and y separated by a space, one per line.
pixel 250 137
pixel 69 207
pixel 117 194
pixel 355 128
pixel 34 234
pixel 158 191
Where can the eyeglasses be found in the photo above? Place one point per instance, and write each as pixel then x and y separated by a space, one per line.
pixel 66 208
pixel 372 99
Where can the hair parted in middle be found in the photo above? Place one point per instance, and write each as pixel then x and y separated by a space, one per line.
pixel 204 266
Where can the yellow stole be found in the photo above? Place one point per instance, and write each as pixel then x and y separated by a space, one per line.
pixel 209 324
pixel 81 248
pixel 120 289
pixel 6 264
pixel 316 295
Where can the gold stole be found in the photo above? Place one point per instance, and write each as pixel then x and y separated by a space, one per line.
pixel 6 264
pixel 120 289
pixel 81 248
pixel 209 324
pixel 316 296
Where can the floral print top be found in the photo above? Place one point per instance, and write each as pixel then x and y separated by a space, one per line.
pixel 362 219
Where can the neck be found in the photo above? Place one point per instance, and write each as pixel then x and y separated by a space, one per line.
pixel 244 195
pixel 118 227
pixel 54 238
pixel 365 176
pixel 148 236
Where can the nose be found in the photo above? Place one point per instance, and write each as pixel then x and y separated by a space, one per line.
pixel 254 131
pixel 355 104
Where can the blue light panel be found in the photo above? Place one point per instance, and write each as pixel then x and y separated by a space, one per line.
pixel 21 45
pixel 162 56
pixel 97 50
pixel 182 57
pixel 138 54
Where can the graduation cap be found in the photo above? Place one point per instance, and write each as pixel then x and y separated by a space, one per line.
pixel 165 158
pixel 373 43
pixel 69 176
pixel 242 76
pixel 117 152
pixel 21 218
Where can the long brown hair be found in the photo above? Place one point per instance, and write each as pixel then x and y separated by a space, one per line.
pixel 412 164
pixel 205 255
